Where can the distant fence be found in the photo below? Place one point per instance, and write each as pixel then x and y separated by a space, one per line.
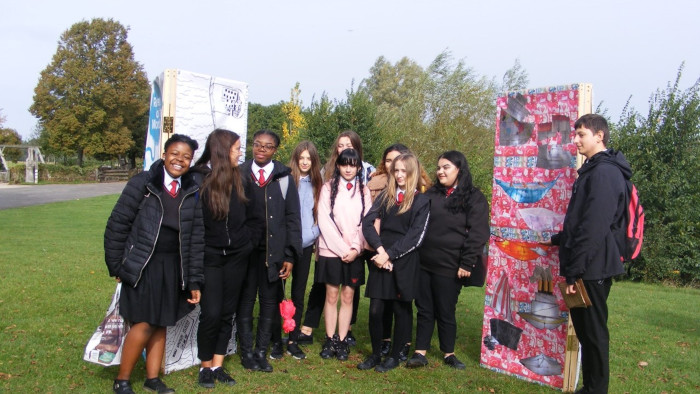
pixel 113 174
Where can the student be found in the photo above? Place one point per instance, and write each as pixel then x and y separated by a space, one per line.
pixel 272 259
pixel 343 202
pixel 379 182
pixel 587 247
pixel 154 246
pixel 347 139
pixel 306 171
pixel 229 228
pixel 393 274
pixel 453 245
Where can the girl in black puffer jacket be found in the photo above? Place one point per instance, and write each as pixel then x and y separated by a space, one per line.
pixel 154 245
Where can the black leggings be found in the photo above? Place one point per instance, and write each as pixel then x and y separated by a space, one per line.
pixel 300 277
pixel 268 293
pixel 223 282
pixel 402 312
pixel 436 301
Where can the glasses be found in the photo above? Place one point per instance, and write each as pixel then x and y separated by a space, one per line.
pixel 262 147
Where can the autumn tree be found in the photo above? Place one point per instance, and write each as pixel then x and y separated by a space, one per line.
pixel 9 136
pixel 515 78
pixel 292 125
pixel 93 96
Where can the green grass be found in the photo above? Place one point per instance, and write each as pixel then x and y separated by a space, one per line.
pixel 54 290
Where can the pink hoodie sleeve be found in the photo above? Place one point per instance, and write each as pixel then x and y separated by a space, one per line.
pixel 329 232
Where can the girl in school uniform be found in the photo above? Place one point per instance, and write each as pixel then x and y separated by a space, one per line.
pixel 228 229
pixel 457 233
pixel 306 171
pixel 154 245
pixel 343 202
pixel 403 215
pixel 347 139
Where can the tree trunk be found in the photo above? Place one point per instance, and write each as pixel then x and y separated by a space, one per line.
pixel 80 157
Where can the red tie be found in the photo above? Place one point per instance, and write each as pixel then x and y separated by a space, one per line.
pixel 400 197
pixel 449 191
pixel 349 185
pixel 173 189
pixel 261 179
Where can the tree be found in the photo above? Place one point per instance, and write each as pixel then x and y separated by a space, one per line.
pixel 446 104
pixel 293 124
pixel 9 136
pixel 663 149
pixel 93 96
pixel 515 78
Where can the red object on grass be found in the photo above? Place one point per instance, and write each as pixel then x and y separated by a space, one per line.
pixel 287 310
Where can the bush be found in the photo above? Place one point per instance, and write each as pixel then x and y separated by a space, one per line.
pixel 56 173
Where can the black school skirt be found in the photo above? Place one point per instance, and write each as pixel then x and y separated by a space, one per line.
pixel 334 271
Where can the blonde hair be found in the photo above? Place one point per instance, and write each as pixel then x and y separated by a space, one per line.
pixel 413 171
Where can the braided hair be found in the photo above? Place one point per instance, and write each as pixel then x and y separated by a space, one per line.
pixel 345 158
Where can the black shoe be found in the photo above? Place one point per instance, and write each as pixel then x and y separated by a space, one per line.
pixel 295 351
pixel 206 378
pixel 260 358
pixel 157 385
pixel 342 349
pixel 122 387
pixel 370 362
pixel 403 354
pixel 277 351
pixel 328 349
pixel 304 339
pixel 416 361
pixel 453 362
pixel 351 339
pixel 248 362
pixel 386 348
pixel 388 364
pixel 222 376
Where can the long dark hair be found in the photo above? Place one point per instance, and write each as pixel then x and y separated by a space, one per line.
pixel 333 155
pixel 459 200
pixel 352 158
pixel 218 185
pixel 401 148
pixel 314 171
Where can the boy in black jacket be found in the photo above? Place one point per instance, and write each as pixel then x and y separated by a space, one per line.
pixel 587 247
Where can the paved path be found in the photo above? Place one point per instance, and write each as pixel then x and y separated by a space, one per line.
pixel 13 196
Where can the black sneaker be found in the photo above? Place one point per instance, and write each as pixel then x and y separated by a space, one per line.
pixel 122 387
pixel 370 362
pixel 403 354
pixel 386 348
pixel 342 350
pixel 351 339
pixel 157 385
pixel 304 339
pixel 295 351
pixel 388 364
pixel 453 362
pixel 416 361
pixel 277 351
pixel 328 349
pixel 222 376
pixel 206 378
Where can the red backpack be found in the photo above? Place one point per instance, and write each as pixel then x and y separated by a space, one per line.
pixel 631 244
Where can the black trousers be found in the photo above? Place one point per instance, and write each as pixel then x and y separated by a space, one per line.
pixel 269 293
pixel 591 325
pixel 223 282
pixel 402 312
pixel 437 302
pixel 300 277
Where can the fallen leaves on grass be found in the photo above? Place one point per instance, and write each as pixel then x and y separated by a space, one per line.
pixel 642 364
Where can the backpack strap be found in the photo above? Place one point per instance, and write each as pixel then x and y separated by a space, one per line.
pixel 284 185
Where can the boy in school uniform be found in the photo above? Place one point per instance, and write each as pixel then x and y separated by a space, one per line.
pixel 587 246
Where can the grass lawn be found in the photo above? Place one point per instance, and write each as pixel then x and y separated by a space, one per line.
pixel 54 290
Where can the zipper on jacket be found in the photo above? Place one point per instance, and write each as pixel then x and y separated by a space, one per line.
pixel 267 229
pixel 155 239
pixel 179 235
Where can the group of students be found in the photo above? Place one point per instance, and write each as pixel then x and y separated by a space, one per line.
pixel 222 234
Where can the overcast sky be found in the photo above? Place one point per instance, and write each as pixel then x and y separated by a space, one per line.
pixel 622 47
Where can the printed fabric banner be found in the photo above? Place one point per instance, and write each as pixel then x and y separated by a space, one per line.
pixel 525 318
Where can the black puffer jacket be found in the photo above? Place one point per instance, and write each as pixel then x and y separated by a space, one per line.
pixel 587 247
pixel 282 216
pixel 133 227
